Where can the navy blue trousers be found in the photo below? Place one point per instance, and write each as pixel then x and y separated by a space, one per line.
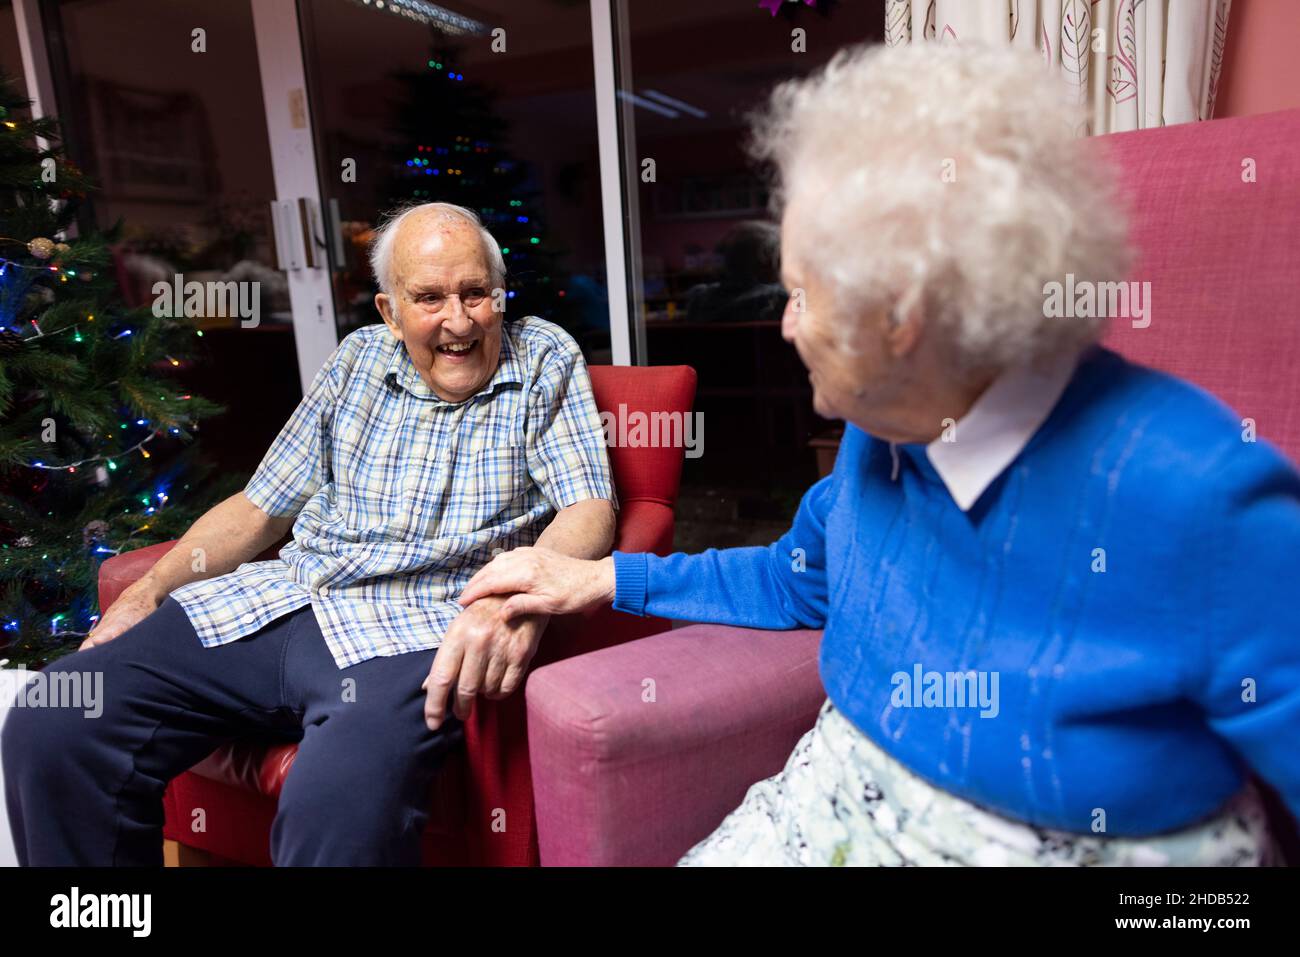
pixel 87 790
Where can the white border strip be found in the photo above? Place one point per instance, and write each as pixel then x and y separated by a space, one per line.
pixel 293 158
pixel 36 60
pixel 611 185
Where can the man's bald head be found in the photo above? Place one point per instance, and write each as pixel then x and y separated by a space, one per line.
pixel 430 222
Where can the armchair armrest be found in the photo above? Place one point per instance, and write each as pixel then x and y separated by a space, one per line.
pixel 644 526
pixel 120 572
pixel 668 732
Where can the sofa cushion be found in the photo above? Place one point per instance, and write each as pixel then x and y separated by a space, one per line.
pixel 1222 253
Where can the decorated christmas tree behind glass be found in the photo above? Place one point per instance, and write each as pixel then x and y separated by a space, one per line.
pixel 454 148
pixel 91 419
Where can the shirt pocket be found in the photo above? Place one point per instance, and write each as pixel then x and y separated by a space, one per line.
pixel 489 489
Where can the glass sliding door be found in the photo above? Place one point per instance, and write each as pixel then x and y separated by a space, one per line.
pixel 177 140
pixel 705 251
pixel 488 105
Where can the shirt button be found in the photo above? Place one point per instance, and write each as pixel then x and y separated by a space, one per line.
pixel 250 618
pixel 416 509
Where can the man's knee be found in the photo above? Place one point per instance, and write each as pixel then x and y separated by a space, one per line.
pixel 318 828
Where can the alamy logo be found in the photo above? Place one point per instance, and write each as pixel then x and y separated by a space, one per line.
pixel 103 910
pixel 63 689
pixel 208 300
pixel 1084 299
pixel 946 689
pixel 668 430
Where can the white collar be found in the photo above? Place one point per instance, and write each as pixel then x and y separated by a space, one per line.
pixel 987 439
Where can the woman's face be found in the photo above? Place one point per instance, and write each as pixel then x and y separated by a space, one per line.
pixel 840 378
pixel 863 368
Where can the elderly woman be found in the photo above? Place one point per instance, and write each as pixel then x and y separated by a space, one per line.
pixel 1055 586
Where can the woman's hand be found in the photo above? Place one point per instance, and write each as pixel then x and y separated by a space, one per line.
pixel 132 606
pixel 543 582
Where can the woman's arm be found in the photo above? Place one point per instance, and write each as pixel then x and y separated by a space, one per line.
pixel 1242 567
pixel 780 586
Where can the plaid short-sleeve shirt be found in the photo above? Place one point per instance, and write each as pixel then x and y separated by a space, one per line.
pixel 401 496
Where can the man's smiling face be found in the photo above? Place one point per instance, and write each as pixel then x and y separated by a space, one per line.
pixel 441 304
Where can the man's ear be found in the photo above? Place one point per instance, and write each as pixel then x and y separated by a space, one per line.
pixel 384 303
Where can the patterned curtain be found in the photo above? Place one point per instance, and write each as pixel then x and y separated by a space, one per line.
pixel 1138 63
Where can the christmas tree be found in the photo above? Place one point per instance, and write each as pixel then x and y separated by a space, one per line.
pixel 92 420
pixel 453 147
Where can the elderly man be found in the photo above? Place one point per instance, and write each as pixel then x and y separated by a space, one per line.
pixel 423 446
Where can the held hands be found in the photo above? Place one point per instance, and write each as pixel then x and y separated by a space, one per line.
pixel 507 606
pixel 542 581
pixel 484 652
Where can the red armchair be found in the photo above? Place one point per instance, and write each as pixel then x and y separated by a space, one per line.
pixel 482 804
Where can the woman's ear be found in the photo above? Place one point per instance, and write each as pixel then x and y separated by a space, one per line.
pixel 902 327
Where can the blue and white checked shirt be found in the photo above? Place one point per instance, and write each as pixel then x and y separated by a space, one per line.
pixel 401 496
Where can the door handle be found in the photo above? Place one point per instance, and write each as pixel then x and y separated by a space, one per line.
pixel 297 233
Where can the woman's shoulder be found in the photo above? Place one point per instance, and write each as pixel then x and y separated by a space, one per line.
pixel 1159 429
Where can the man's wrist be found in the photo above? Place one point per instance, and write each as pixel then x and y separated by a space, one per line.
pixel 606 581
pixel 149 586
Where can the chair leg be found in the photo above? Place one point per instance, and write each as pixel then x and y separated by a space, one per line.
pixel 182 855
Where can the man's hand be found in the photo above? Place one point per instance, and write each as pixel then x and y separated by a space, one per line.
pixel 483 652
pixel 133 605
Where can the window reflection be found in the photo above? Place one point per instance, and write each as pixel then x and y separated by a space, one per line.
pixel 711 294
pixel 431 115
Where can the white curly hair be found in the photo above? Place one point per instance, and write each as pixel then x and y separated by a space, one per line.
pixel 952 177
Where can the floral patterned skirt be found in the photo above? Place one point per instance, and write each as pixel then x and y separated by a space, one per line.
pixel 841 800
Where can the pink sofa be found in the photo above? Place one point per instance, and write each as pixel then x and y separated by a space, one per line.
pixel 619 779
